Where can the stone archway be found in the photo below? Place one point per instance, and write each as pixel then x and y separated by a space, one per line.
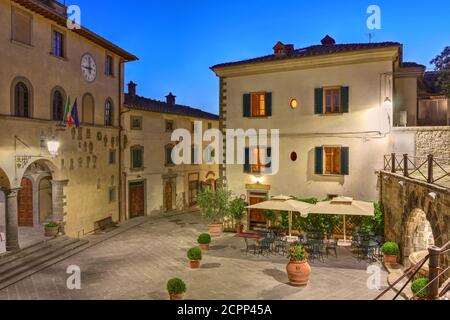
pixel 419 233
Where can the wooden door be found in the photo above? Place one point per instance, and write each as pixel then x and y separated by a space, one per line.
pixel 137 199
pixel 168 190
pixel 257 215
pixel 25 202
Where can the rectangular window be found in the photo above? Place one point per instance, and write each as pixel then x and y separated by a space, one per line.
pixel 57 44
pixel 332 100
pixel 112 194
pixel 136 123
pixel 332 160
pixel 137 158
pixel 112 157
pixel 109 65
pixel 258 107
pixel 168 150
pixel 21 28
pixel 193 188
pixel 209 125
pixel 169 125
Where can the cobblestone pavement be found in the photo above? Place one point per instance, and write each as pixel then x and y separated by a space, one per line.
pixel 137 263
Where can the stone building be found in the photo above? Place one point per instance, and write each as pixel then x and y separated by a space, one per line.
pixel 42 63
pixel 152 183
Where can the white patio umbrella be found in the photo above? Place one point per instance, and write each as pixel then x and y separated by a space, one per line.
pixel 344 206
pixel 284 203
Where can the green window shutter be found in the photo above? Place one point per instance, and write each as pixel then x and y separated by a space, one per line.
pixel 319 161
pixel 318 104
pixel 345 99
pixel 268 104
pixel 247 161
pixel 269 165
pixel 247 105
pixel 137 158
pixel 192 154
pixel 345 159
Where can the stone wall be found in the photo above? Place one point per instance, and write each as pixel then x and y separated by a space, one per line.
pixel 433 140
pixel 402 198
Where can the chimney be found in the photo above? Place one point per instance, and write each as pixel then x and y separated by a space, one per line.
pixel 328 41
pixel 132 88
pixel 170 99
pixel 282 50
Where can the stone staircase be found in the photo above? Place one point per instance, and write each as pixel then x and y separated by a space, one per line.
pixel 24 263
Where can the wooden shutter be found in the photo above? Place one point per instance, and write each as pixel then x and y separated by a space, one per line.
pixel 247 161
pixel 268 99
pixel 247 105
pixel 345 159
pixel 21 26
pixel 137 158
pixel 345 99
pixel 193 155
pixel 319 161
pixel 318 104
pixel 269 165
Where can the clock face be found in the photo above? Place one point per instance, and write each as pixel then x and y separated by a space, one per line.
pixel 88 68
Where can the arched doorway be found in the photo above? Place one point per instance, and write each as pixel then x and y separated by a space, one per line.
pixel 168 191
pixel 419 233
pixel 45 200
pixel 25 202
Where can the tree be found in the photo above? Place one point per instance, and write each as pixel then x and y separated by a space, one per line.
pixel 214 205
pixel 442 66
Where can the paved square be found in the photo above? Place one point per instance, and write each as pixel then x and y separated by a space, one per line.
pixel 137 264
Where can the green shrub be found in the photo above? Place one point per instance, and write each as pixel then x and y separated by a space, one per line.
pixel 214 205
pixel 52 225
pixel 194 254
pixel 237 209
pixel 297 253
pixel 176 286
pixel 418 285
pixel 204 238
pixel 390 249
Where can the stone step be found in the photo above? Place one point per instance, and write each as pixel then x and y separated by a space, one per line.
pixel 12 256
pixel 24 267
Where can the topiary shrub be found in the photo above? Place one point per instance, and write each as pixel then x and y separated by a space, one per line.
pixel 417 287
pixel 194 254
pixel 204 238
pixel 52 225
pixel 176 286
pixel 390 249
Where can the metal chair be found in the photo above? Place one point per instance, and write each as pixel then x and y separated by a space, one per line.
pixel 332 246
pixel 249 247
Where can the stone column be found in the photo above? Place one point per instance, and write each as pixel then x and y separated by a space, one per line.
pixel 58 203
pixel 12 220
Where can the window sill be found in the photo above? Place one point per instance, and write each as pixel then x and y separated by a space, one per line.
pixel 22 44
pixel 332 175
pixel 110 76
pixel 58 57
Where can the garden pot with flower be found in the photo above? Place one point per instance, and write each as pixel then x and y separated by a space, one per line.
pixel 176 288
pixel 391 252
pixel 51 229
pixel 298 269
pixel 195 257
pixel 203 241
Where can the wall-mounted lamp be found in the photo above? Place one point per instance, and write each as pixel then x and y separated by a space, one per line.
pixel 258 179
pixel 401 183
pixel 53 147
pixel 432 195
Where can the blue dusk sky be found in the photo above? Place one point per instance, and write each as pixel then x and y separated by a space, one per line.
pixel 177 41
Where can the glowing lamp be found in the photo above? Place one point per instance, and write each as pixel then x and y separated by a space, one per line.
pixel 53 147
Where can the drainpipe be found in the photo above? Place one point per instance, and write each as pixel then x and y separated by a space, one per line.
pixel 121 148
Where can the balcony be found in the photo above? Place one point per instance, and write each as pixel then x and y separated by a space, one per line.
pixel 55 6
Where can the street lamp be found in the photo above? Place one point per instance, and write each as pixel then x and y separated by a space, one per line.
pixel 53 147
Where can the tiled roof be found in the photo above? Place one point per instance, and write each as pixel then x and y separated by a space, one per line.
pixel 412 65
pixel 146 104
pixel 315 50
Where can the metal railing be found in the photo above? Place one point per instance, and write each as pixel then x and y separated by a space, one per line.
pixel 429 169
pixel 435 274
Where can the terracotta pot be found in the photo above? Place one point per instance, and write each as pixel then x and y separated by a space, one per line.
pixel 298 273
pixel 195 264
pixel 204 247
pixel 390 259
pixel 176 296
pixel 239 228
pixel 51 231
pixel 215 229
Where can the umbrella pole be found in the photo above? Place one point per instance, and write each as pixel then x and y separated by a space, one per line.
pixel 290 223
pixel 345 229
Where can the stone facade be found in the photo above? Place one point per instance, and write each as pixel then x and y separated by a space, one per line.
pixel 406 203
pixel 433 140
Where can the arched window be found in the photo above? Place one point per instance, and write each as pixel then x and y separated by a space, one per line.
pixel 57 106
pixel 21 100
pixel 88 108
pixel 109 113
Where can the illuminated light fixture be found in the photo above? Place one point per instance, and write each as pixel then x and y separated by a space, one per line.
pixel 259 180
pixel 53 147
pixel 432 195
pixel 401 183
pixel 294 104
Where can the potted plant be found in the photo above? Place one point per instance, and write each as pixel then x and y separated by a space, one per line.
pixel 176 288
pixel 298 268
pixel 214 207
pixel 238 212
pixel 204 240
pixel 51 229
pixel 195 257
pixel 391 252
pixel 418 288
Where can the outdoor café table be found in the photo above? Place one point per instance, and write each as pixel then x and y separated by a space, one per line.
pixel 250 235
